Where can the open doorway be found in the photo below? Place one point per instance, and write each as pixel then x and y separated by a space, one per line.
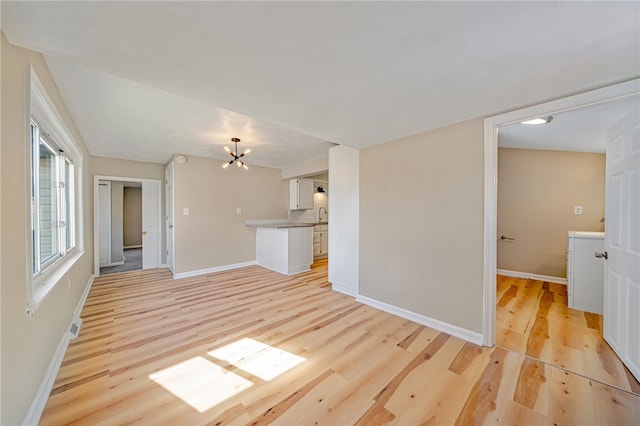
pixel 551 184
pixel 120 226
pixel 579 345
pixel 319 216
pixel 127 232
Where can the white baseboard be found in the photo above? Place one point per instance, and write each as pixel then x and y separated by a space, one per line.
pixel 299 269
pixel 214 269
pixel 84 296
pixel 454 330
pixel 132 247
pixel 346 289
pixel 42 395
pixel 527 275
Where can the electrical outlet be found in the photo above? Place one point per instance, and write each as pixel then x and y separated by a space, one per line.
pixel 185 211
pixel 239 210
pixel 577 210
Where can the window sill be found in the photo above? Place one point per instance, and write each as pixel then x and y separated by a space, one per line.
pixel 44 283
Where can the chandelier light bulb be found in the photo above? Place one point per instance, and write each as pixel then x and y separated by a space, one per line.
pixel 236 157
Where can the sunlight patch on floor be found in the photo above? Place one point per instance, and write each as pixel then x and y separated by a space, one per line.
pixel 200 383
pixel 256 358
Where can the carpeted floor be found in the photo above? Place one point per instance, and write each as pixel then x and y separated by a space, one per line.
pixel 132 262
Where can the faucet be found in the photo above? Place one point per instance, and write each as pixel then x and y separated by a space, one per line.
pixel 320 213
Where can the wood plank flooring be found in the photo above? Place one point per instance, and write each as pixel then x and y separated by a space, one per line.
pixel 533 318
pixel 153 350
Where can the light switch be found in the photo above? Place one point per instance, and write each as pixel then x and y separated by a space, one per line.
pixel 239 210
pixel 185 211
pixel 577 210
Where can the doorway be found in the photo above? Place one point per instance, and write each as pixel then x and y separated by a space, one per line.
pixel 127 233
pixel 170 237
pixel 321 219
pixel 120 226
pixel 492 125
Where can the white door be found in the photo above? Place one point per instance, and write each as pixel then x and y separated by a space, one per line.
pixel 168 174
pixel 622 242
pixel 150 224
pixel 104 223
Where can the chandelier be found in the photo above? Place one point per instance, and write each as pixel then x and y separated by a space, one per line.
pixel 236 157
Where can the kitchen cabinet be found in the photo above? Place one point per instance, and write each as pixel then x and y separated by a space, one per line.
pixel 585 271
pixel 284 248
pixel 300 194
pixel 320 240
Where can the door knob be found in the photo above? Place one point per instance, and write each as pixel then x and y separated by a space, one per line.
pixel 601 255
pixel 144 232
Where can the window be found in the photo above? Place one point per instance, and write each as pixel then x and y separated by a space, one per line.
pixel 52 200
pixel 54 166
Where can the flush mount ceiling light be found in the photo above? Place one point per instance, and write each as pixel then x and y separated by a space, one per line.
pixel 538 120
pixel 236 157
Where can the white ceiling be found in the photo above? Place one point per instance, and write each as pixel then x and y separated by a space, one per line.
pixel 132 120
pixel 581 130
pixel 163 77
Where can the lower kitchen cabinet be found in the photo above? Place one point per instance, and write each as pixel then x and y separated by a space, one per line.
pixel 320 240
pixel 284 249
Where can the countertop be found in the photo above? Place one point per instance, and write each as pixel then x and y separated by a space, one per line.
pixel 280 223
pixel 586 234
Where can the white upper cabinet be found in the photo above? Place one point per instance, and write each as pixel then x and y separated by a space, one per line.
pixel 300 194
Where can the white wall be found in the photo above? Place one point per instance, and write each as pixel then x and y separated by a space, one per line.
pixel 321 199
pixel 537 191
pixel 344 248
pixel 132 217
pixel 213 234
pixel 1 192
pixel 308 168
pixel 29 344
pixel 117 203
pixel 421 225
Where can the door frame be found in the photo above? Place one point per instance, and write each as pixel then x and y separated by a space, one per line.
pixel 99 208
pixel 169 211
pixel 491 125
pixel 96 242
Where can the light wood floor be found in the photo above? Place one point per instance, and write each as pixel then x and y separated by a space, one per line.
pixel 533 318
pixel 154 350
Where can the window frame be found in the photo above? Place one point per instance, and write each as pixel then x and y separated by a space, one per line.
pixel 64 200
pixel 50 128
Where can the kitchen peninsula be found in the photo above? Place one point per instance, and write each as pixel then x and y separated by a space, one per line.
pixel 283 246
